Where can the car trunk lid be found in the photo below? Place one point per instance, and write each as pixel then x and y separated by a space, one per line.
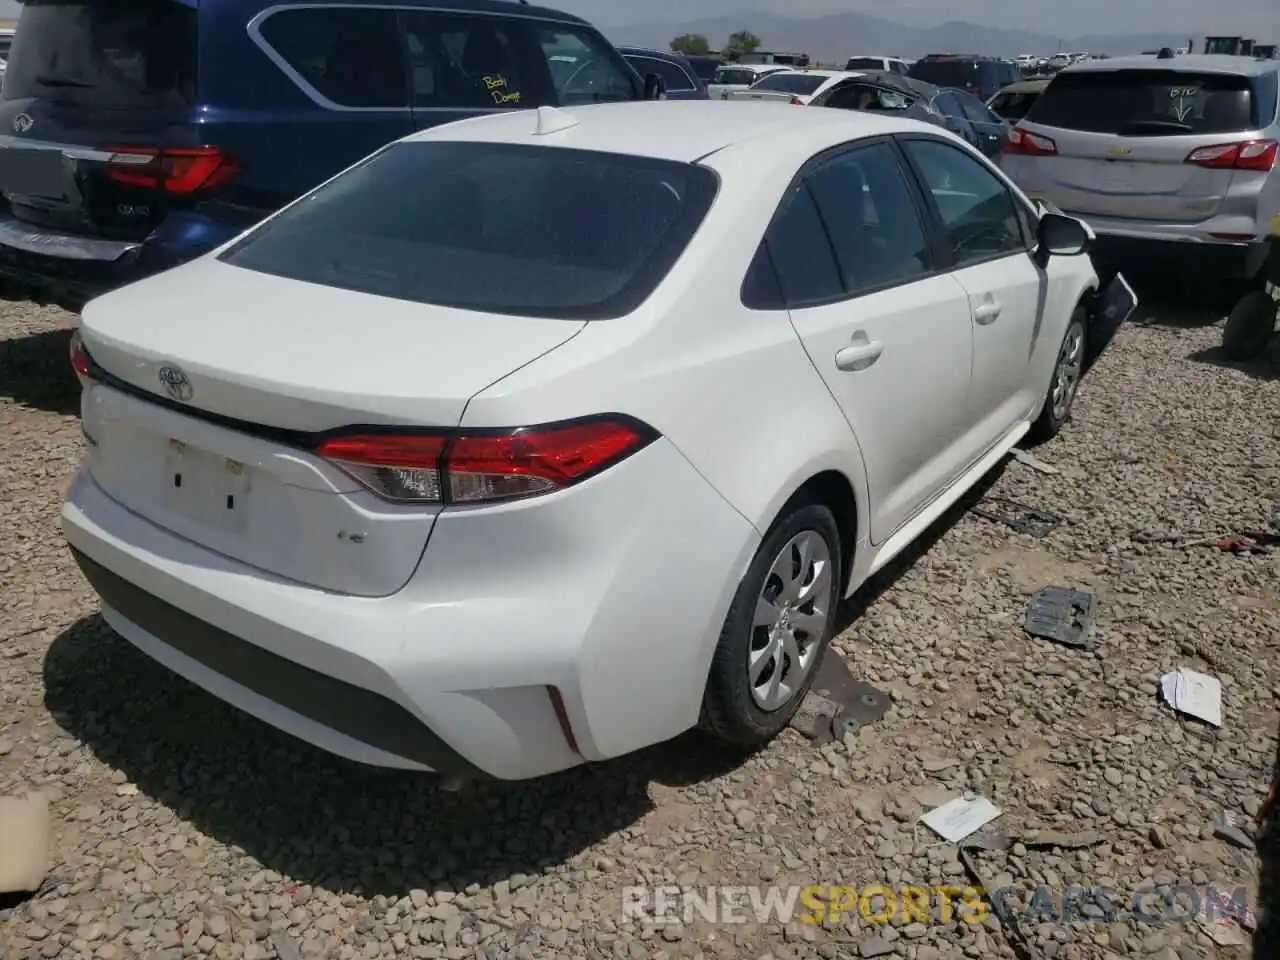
pixel 1123 139
pixel 95 93
pixel 218 379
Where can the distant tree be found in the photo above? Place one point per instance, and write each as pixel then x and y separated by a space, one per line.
pixel 691 45
pixel 744 41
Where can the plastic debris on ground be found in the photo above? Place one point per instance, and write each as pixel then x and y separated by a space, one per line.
pixel 1064 615
pixel 1034 462
pixel 1017 516
pixel 1194 694
pixel 958 818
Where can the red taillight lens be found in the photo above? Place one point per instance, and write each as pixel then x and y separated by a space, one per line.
pixel 1257 155
pixel 80 361
pixel 484 467
pixel 177 170
pixel 1028 144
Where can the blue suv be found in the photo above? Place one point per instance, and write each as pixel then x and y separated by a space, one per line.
pixel 138 134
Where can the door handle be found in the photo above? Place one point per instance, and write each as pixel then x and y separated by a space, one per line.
pixel 859 355
pixel 985 313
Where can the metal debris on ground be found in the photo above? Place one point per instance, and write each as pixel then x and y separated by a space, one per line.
pixel 838 704
pixel 1017 516
pixel 1064 615
pixel 1035 463
pixel 1246 541
pixel 1194 694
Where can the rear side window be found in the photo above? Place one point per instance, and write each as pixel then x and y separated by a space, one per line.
pixel 474 62
pixel 105 54
pixel 801 84
pixel 499 228
pixel 347 56
pixel 1148 103
pixel 797 242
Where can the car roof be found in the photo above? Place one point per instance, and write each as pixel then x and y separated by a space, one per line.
pixel 680 130
pixel 1188 62
pixel 237 8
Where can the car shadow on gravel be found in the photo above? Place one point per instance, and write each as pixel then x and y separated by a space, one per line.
pixel 1166 302
pixel 1266 941
pixel 35 371
pixel 1260 369
pixel 327 822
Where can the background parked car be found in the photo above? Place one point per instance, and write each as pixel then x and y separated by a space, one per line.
pixel 1172 161
pixel 732 77
pixel 139 135
pixel 955 110
pixel 677 73
pixel 705 68
pixel 1012 103
pixel 980 76
pixel 885 64
pixel 798 87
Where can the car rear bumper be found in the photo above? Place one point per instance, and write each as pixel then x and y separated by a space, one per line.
pixel 526 643
pixel 1199 259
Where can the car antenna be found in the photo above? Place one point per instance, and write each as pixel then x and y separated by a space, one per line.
pixel 553 120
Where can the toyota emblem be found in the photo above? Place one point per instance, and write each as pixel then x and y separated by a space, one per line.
pixel 175 383
pixel 23 123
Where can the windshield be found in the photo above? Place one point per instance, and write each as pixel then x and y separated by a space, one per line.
pixel 946 73
pixel 795 83
pixel 493 227
pixel 736 76
pixel 1147 103
pixel 108 54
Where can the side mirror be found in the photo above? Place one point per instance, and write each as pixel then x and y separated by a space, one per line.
pixel 655 88
pixel 1062 236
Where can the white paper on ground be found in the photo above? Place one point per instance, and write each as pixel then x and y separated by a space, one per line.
pixel 1195 694
pixel 956 819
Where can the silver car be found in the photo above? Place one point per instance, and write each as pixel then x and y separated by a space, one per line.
pixel 1172 160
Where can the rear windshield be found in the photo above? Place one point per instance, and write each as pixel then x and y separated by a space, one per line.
pixel 799 83
pixel 735 76
pixel 106 54
pixel 1147 103
pixel 499 228
pixel 865 63
pixel 946 73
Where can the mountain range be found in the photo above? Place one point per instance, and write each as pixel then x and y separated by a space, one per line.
pixel 833 37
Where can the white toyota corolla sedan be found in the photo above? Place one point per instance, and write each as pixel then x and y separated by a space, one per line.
pixel 538 438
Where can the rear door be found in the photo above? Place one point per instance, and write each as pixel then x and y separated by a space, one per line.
pixel 1122 141
pixel 87 79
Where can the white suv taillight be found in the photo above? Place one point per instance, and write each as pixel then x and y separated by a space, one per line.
pixel 1256 155
pixel 484 466
pixel 1028 144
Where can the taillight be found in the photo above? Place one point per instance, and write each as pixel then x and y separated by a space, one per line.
pixel 80 361
pixel 177 170
pixel 1258 155
pixel 484 466
pixel 1028 144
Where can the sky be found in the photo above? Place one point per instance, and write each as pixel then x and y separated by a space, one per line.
pixel 1259 19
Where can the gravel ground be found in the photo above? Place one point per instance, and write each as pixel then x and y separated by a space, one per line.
pixel 184 829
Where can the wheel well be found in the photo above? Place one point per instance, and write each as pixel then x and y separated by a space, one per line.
pixel 833 490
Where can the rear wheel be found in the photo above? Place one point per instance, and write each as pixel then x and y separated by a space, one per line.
pixel 1067 371
pixel 777 629
pixel 1249 327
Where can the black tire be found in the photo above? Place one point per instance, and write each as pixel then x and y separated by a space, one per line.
pixel 729 711
pixel 1249 327
pixel 1049 422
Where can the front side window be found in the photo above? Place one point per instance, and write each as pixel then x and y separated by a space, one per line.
pixel 674 77
pixel 979 215
pixel 492 227
pixel 593 74
pixel 348 56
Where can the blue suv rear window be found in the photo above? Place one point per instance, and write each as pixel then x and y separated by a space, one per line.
pixel 492 227
pixel 104 54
